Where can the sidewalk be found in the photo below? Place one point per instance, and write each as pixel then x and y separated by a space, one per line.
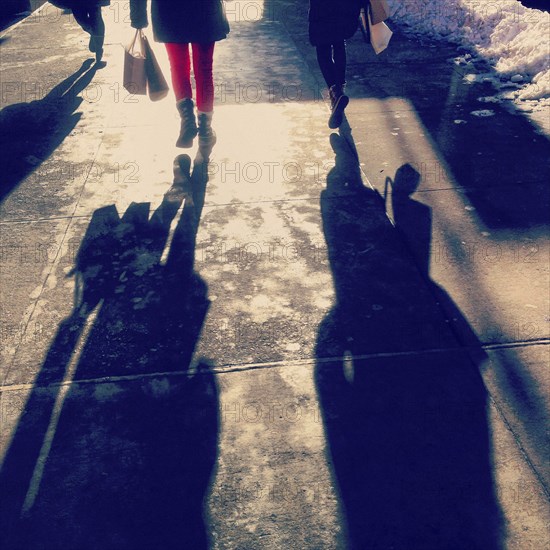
pixel 269 361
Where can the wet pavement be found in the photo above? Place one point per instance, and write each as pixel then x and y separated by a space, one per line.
pixel 327 340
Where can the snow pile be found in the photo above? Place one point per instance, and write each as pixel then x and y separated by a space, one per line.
pixel 513 38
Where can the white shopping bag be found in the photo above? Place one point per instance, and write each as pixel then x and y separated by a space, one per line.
pixel 380 35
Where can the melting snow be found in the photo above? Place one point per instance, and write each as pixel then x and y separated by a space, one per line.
pixel 513 38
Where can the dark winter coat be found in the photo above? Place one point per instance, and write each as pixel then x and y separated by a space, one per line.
pixel 332 21
pixel 182 21
pixel 71 4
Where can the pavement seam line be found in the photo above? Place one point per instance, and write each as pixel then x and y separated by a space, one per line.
pixel 520 447
pixel 42 220
pixel 273 201
pixel 244 367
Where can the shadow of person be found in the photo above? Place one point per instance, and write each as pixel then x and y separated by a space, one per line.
pixel 30 132
pixel 415 218
pixel 118 440
pixel 403 406
pixel 413 221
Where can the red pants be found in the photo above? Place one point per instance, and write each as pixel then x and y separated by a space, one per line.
pixel 180 66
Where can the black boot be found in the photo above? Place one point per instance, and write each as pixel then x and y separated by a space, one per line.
pixel 338 102
pixel 188 129
pixel 207 136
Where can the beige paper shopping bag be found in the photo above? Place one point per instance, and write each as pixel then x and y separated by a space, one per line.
pixel 135 78
pixel 380 35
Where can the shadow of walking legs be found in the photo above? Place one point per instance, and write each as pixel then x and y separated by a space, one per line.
pixel 117 442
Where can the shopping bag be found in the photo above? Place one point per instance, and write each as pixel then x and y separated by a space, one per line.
pixel 380 35
pixel 373 28
pixel 379 10
pixel 135 79
pixel 364 25
pixel 157 87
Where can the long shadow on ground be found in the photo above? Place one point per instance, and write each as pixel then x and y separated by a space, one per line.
pixel 122 455
pixel 30 132
pixel 404 407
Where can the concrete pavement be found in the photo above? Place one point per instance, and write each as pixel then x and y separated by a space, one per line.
pixel 299 352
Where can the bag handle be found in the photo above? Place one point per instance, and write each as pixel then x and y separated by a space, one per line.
pixel 137 50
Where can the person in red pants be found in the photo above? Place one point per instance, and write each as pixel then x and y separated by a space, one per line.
pixel 190 29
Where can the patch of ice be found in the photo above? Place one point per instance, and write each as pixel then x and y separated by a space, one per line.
pixel 106 392
pixel 470 78
pixel 160 388
pixel 483 113
pixel 490 99
pixel 293 346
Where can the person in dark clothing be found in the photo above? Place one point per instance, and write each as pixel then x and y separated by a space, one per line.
pixel 178 24
pixel 331 22
pixel 87 14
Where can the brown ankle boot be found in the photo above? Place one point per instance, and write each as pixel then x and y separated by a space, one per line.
pixel 207 136
pixel 188 130
pixel 338 102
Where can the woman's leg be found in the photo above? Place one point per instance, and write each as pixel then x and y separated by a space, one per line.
pixel 326 63
pixel 180 69
pixel 203 55
pixel 97 31
pixel 82 18
pixel 332 62
pixel 340 61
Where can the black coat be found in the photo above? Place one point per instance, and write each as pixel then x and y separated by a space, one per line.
pixel 182 21
pixel 70 4
pixel 332 21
